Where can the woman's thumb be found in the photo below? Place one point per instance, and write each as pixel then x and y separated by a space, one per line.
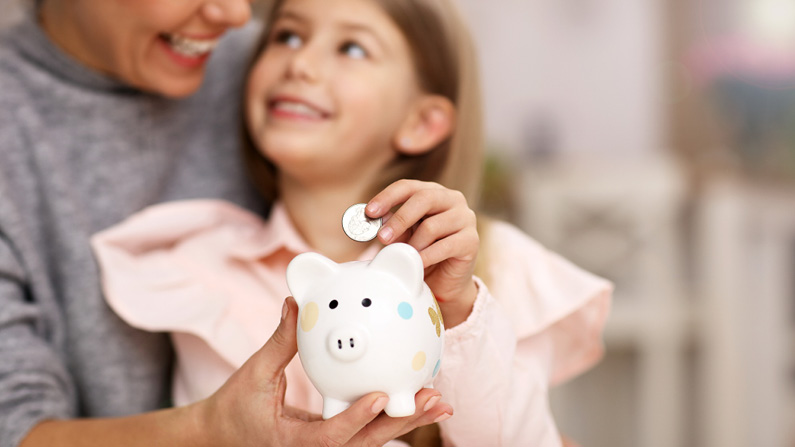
pixel 281 347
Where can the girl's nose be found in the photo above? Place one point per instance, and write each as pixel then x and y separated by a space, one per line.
pixel 304 65
pixel 231 13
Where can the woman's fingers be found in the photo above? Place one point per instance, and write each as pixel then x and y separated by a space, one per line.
pixel 353 422
pixel 280 349
pixel 252 404
pixel 364 424
pixel 433 410
pixel 385 428
pixel 302 415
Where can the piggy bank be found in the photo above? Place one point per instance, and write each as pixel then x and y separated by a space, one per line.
pixel 367 326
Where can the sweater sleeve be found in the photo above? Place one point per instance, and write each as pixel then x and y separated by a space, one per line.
pixel 34 381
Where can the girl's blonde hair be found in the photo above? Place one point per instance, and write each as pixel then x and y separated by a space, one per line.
pixel 445 61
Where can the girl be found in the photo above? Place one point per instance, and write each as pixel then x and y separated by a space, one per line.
pixel 350 99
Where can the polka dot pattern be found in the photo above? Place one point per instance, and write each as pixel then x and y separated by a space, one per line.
pixel 405 310
pixel 419 361
pixel 309 316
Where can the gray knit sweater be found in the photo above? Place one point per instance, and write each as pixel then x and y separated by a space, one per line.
pixel 80 152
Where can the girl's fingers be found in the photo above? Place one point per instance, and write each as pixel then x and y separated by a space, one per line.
pixel 434 228
pixel 462 245
pixel 421 204
pixel 396 193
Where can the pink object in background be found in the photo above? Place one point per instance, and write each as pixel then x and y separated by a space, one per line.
pixel 740 57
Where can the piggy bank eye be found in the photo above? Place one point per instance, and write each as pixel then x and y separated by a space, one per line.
pixel 333 304
pixel 366 302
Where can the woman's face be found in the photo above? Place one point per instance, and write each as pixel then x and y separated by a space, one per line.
pixel 327 95
pixel 156 45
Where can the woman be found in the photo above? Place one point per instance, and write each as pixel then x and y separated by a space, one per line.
pixel 99 99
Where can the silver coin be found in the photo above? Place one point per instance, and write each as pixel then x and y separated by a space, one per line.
pixel 358 226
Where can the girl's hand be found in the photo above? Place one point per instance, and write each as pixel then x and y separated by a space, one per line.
pixel 437 222
pixel 249 409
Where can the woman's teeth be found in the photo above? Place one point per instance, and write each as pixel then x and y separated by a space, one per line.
pixel 190 47
pixel 298 109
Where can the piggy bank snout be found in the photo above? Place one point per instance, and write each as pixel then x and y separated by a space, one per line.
pixel 347 344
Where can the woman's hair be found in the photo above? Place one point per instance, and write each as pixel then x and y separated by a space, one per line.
pixel 445 62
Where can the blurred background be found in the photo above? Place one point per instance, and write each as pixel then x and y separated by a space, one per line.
pixel 653 142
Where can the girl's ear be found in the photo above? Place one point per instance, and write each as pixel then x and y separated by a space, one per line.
pixel 429 122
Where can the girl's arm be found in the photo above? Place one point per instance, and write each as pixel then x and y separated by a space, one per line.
pixel 542 326
pixel 500 357
pixel 497 384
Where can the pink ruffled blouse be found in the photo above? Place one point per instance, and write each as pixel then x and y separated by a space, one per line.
pixel 212 274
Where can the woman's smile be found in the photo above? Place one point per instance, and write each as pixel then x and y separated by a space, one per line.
pixel 188 51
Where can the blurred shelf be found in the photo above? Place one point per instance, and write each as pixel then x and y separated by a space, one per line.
pixel 623 221
pixel 633 323
pixel 746 246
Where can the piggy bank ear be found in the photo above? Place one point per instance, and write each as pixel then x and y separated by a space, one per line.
pixel 402 261
pixel 305 270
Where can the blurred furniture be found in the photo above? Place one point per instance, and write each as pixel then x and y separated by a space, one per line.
pixel 621 220
pixel 746 262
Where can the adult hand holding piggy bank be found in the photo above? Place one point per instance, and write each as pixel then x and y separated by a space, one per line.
pixel 367 326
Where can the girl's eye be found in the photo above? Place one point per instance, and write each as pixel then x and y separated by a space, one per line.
pixel 353 50
pixel 288 38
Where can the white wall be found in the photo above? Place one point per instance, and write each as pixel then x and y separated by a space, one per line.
pixel 593 68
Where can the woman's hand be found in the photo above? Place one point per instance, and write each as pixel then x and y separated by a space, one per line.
pixel 249 409
pixel 437 222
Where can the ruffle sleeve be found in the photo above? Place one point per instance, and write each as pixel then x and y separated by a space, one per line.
pixel 547 296
pixel 202 270
pixel 537 321
pixel 150 264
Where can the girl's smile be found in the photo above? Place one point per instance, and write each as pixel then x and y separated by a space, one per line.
pixel 294 108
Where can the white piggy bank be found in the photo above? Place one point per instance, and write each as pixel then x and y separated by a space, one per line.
pixel 367 326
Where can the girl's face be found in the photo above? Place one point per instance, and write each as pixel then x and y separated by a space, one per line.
pixel 327 95
pixel 156 45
